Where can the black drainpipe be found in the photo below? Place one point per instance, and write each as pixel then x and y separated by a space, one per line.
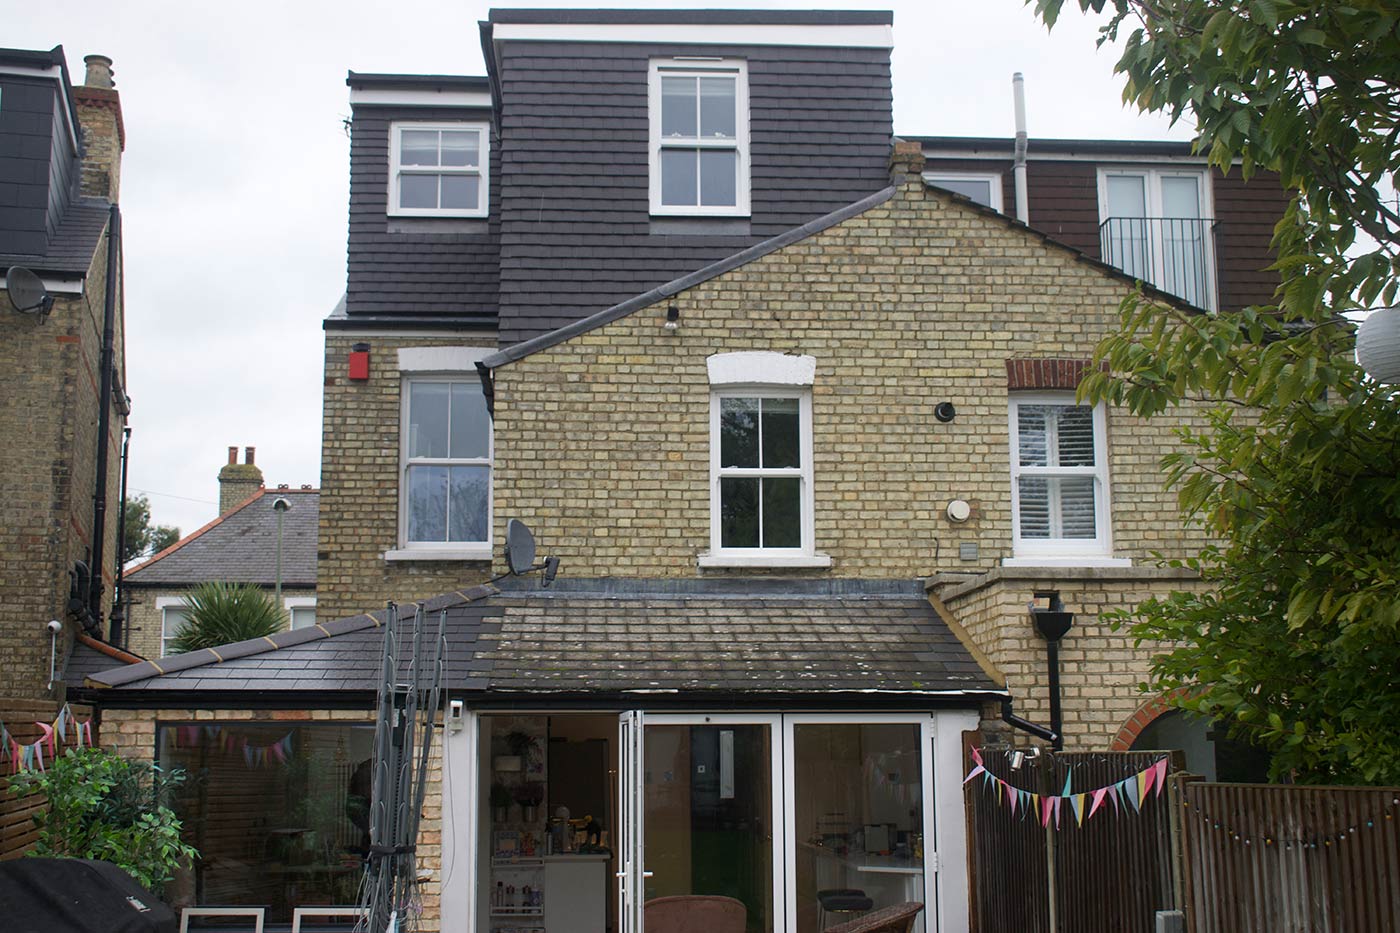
pixel 1053 624
pixel 104 419
pixel 488 387
pixel 118 615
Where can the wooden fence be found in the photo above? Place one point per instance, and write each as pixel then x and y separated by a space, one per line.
pixel 1109 873
pixel 17 832
pixel 1281 859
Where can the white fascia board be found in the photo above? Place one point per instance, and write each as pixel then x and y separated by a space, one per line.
pixel 55 74
pixel 62 286
pixel 1006 155
pixel 867 37
pixel 417 97
pixel 761 367
pixel 442 359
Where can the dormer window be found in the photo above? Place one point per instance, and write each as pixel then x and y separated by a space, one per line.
pixel 699 119
pixel 438 170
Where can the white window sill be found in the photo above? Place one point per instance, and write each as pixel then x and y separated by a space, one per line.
pixel 740 212
pixel 708 560
pixel 1066 561
pixel 460 552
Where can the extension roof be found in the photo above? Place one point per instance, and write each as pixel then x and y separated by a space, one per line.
pixel 613 638
pixel 240 546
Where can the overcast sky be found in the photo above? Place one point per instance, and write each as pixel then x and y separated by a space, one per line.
pixel 235 181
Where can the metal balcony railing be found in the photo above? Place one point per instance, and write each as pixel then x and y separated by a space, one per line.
pixel 1176 254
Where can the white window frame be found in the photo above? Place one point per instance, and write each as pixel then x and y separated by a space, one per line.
pixel 933 177
pixel 1152 190
pixel 440 364
pixel 482 171
pixel 162 604
pixel 672 67
pixel 1070 551
pixel 804 556
pixel 296 602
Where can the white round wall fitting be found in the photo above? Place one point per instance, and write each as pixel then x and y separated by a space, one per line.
pixel 959 510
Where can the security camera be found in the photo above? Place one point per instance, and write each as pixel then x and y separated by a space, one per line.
pixel 55 626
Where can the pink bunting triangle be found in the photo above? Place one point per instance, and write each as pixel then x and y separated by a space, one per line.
pixel 1145 780
pixel 1099 795
pixel 973 773
pixel 47 736
pixel 1161 768
pixel 1048 811
pixel 977 755
pixel 1014 795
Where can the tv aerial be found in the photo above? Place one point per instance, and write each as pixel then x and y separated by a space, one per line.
pixel 520 554
pixel 27 292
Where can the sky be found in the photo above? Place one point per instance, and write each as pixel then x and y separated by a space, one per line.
pixel 235 181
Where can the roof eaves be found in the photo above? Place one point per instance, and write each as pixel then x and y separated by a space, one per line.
pixel 690 280
pixel 459 82
pixel 697 17
pixel 219 520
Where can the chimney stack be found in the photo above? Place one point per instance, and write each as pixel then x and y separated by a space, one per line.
pixel 238 482
pixel 104 135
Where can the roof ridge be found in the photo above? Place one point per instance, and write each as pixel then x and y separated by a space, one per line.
pixel 198 532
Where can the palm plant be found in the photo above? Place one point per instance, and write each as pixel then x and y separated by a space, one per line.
pixel 223 613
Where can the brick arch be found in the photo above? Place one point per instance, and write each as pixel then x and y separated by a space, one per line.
pixel 1140 720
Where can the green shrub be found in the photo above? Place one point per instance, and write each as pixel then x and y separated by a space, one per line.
pixel 102 806
pixel 223 613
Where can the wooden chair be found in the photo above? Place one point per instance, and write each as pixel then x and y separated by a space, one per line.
pixel 896 919
pixel 695 913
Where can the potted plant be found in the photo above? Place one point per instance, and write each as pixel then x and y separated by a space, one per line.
pixel 529 796
pixel 500 802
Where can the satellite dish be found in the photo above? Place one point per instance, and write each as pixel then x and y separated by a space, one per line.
pixel 27 291
pixel 520 547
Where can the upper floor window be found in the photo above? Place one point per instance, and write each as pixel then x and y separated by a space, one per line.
pixel 1059 477
pixel 983 188
pixel 699 126
pixel 446 488
pixel 1155 225
pixel 438 170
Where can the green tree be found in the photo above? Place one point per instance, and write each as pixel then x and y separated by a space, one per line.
pixel 102 806
pixel 1294 469
pixel 222 613
pixel 139 537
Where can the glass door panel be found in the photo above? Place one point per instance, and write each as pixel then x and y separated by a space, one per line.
pixel 708 820
pixel 630 880
pixel 858 819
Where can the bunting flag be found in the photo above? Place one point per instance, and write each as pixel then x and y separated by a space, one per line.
pixel 1127 795
pixel 52 734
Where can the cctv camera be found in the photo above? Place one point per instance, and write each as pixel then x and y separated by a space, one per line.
pixel 55 626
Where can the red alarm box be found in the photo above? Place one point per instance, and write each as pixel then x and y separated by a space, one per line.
pixel 359 362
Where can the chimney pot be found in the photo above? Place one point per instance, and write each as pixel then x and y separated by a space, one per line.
pixel 99 71
pixel 232 455
pixel 248 455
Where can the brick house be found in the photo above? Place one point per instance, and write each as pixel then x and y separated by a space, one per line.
pixel 660 287
pixel 64 406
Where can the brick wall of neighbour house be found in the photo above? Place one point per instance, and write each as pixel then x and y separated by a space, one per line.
pixel 49 417
pixel 144 619
pixel 360 483
pixel 132 734
pixel 602 442
pixel 1101 671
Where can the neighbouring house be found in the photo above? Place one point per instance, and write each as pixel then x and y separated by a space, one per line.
pixel 240 546
pixel 792 403
pixel 62 343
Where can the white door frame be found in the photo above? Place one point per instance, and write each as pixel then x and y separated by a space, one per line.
pixel 459 871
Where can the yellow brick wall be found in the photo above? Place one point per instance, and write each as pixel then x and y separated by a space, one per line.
pixel 132 734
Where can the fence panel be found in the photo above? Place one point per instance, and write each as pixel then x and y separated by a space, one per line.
pixel 1280 859
pixel 17 832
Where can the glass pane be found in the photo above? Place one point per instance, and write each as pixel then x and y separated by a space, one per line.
pixel 858 811
pixel 418 192
pixel 461 192
pixel 460 148
pixel 1127 196
pixel 718 177
pixel 302 616
pixel 427 503
pixel 708 798
pixel 977 189
pixel 418 147
pixel 679 185
pixel 471 490
pixel 278 812
pixel 1035 506
pixel 677 107
pixel 1074 435
pixel 427 419
pixel 175 621
pixel 1076 506
pixel 717 114
pixel 1180 196
pixel 781 433
pixel 738 432
pixel 738 512
pixel 471 424
pixel 782 512
pixel 1032 435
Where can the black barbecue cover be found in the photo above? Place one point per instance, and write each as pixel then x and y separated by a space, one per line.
pixel 69 895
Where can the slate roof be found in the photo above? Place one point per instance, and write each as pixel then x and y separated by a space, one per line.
pixel 89 656
pixel 73 243
pixel 618 637
pixel 240 546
